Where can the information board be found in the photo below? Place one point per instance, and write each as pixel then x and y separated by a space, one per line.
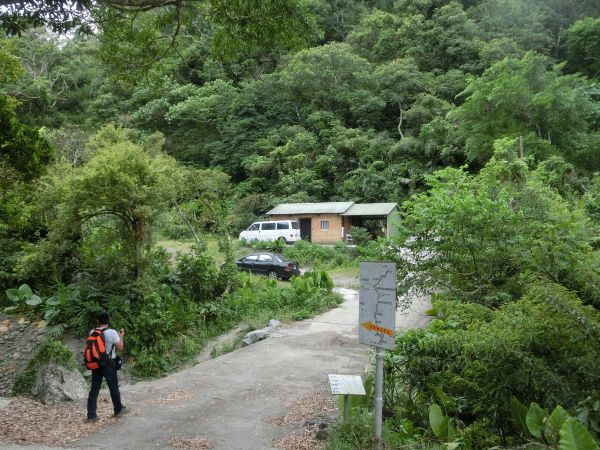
pixel 377 310
pixel 346 385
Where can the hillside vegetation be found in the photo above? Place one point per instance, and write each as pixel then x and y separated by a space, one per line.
pixel 480 117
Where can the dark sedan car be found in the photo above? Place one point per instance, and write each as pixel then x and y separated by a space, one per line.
pixel 271 264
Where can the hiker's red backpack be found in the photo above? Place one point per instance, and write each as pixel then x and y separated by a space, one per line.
pixel 94 353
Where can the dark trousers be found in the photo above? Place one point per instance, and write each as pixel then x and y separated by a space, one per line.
pixel 109 372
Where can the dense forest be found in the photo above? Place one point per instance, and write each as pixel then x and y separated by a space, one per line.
pixel 481 118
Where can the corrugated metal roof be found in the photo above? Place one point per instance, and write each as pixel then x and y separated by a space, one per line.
pixel 310 208
pixel 370 209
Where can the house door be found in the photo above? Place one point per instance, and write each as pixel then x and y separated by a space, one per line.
pixel 305 227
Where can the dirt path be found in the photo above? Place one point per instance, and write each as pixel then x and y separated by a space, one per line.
pixel 238 400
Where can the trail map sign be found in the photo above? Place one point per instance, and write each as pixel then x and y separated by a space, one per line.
pixel 377 324
pixel 377 310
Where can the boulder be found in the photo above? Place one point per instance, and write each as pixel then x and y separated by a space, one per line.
pixel 257 335
pixel 54 384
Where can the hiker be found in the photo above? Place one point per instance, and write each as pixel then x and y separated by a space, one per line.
pixel 103 365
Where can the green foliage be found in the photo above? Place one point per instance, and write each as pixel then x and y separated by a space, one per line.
pixel 10 68
pixel 196 276
pixel 319 257
pixel 360 236
pixel 529 348
pixel 583 46
pixel 520 97
pixel 277 246
pixel 355 433
pixel 22 150
pixel 311 282
pixel 588 413
pixel 101 214
pixel 261 298
pixel 439 423
pixel 481 236
pixel 22 298
pixel 557 430
pixel 573 436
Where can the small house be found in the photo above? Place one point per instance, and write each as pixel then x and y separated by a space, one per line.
pixel 326 223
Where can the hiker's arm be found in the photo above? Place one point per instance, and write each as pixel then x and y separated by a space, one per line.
pixel 119 345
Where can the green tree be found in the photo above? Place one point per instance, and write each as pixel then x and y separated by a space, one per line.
pixel 481 236
pixel 523 98
pixel 102 212
pixel 522 21
pixel 583 47
pixel 21 147
pixel 330 77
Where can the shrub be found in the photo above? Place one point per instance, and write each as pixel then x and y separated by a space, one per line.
pixel 477 235
pixel 195 275
pixel 360 235
pixel 319 257
pixel 544 347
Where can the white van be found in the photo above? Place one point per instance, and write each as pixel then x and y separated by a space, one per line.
pixel 284 230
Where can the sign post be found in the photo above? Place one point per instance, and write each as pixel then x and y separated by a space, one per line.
pixel 346 385
pixel 377 323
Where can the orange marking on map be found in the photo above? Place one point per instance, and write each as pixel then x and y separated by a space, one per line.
pixel 372 327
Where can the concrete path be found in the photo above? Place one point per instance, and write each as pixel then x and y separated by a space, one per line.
pixel 228 400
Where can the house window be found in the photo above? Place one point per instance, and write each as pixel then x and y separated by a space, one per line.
pixel 325 225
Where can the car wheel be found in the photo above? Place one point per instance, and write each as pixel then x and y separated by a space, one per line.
pixel 282 240
pixel 272 275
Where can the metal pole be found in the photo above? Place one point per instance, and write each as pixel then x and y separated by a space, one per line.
pixel 378 397
pixel 346 407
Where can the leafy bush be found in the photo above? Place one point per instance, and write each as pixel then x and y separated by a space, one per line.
pixel 557 430
pixel 163 332
pixel 22 298
pixel 195 275
pixel 481 236
pixel 318 256
pixel 360 236
pixel 543 348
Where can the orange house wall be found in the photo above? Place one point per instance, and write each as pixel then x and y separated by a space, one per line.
pixel 318 236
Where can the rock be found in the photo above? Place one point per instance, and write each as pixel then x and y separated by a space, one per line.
pixel 258 335
pixel 274 323
pixel 54 384
pixel 254 336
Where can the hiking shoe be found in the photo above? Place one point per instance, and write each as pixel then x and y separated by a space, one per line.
pixel 122 411
pixel 91 419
